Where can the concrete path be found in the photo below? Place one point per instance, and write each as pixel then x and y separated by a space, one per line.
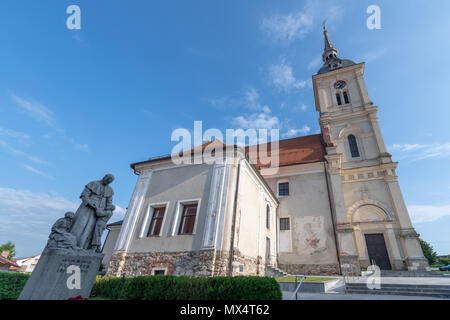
pixel 343 296
pixel 405 280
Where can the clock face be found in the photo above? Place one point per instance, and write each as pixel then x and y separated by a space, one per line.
pixel 340 84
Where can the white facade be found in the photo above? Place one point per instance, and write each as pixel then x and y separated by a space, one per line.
pixel 342 212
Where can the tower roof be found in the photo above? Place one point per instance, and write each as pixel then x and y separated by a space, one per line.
pixel 330 55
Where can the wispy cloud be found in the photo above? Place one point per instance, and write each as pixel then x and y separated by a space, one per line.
pixel 299 108
pixel 13 134
pixel 294 132
pixel 416 152
pixel 372 55
pixel 428 213
pixel 282 77
pixel 263 120
pixel 315 63
pixel 6 146
pixel 296 25
pixel 288 27
pixel 36 111
pixel 38 172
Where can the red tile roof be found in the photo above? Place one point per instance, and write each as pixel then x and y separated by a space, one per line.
pixel 307 149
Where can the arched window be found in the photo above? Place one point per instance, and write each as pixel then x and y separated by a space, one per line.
pixel 353 146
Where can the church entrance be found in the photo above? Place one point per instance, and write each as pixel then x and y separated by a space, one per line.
pixel 376 248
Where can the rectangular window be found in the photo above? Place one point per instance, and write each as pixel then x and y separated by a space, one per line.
pixel 338 98
pixel 346 99
pixel 283 189
pixel 267 217
pixel 285 224
pixel 188 219
pixel 156 222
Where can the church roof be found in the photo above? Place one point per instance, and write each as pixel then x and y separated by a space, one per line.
pixel 300 150
pixel 306 149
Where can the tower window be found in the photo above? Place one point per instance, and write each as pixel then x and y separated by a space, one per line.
pixel 338 98
pixel 353 146
pixel 283 189
pixel 284 224
pixel 346 97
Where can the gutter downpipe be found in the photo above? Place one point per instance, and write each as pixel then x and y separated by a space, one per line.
pixel 332 218
pixel 233 226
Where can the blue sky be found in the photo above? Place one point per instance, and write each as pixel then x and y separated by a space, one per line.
pixel 76 104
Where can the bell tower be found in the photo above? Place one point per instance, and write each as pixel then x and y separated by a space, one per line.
pixel 371 220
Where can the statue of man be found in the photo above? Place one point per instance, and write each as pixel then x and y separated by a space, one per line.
pixel 60 236
pixel 96 202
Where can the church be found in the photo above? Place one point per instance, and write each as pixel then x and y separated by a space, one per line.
pixel 334 206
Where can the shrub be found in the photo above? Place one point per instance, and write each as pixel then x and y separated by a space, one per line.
pixel 11 284
pixel 187 288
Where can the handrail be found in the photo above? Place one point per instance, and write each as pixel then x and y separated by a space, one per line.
pixel 299 285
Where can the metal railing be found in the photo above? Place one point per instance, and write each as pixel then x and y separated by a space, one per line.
pixel 297 286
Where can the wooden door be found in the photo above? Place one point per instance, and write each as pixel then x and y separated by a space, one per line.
pixel 376 248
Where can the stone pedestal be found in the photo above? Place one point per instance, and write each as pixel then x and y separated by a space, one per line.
pixel 61 274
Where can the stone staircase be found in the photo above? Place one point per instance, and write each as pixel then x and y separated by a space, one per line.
pixel 437 291
pixel 275 272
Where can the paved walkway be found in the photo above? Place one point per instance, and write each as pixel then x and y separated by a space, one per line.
pixel 443 281
pixel 343 296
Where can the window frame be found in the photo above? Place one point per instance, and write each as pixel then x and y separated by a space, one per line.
pixel 288 223
pixel 183 217
pixel 178 213
pixel 353 146
pixel 154 220
pixel 148 218
pixel 288 189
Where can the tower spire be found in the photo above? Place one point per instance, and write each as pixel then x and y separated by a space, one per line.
pixel 330 54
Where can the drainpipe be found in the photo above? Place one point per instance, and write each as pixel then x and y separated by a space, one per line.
pixel 233 226
pixel 332 218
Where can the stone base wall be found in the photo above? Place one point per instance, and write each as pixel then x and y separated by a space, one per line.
pixel 310 269
pixel 202 263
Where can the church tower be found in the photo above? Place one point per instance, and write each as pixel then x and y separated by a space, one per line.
pixel 371 220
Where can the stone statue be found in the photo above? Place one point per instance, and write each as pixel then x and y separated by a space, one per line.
pixel 60 236
pixel 93 214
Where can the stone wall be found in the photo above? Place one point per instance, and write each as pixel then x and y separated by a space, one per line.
pixel 202 263
pixel 310 269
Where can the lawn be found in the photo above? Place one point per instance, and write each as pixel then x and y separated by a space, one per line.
pixel 308 279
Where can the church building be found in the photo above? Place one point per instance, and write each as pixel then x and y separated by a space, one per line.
pixel 334 206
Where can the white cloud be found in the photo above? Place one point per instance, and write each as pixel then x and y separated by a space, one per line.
pixel 288 27
pixel 282 77
pixel 38 172
pixel 315 63
pixel 293 132
pixel 36 111
pixel 372 55
pixel 17 152
pixel 26 217
pixel 428 213
pixel 296 25
pixel 301 107
pixel 416 152
pixel 257 121
pixel 13 134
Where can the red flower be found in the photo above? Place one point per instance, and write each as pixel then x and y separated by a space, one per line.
pixel 77 298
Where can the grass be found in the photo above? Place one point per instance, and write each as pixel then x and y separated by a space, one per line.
pixel 308 279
